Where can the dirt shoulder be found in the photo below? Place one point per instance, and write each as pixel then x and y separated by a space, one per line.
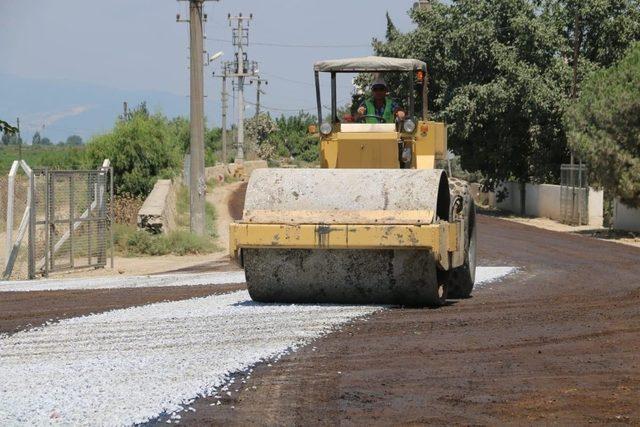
pixel 602 233
pixel 555 343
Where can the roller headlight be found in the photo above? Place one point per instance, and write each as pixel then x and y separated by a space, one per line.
pixel 409 126
pixel 325 128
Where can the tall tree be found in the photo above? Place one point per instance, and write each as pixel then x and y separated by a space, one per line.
pixel 604 128
pixel 494 76
pixel 500 74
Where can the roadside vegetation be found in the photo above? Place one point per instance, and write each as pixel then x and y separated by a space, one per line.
pixel 501 75
pixel 130 241
pixel 604 128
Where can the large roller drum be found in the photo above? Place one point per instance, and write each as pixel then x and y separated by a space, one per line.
pixel 343 196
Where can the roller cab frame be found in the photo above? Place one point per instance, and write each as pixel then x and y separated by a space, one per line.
pixel 440 226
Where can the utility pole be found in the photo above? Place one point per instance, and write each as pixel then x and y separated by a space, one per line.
pixel 226 71
pixel 577 42
pixel 259 91
pixel 224 118
pixel 197 183
pixel 240 36
pixel 19 138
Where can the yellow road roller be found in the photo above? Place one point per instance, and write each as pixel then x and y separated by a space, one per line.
pixel 377 223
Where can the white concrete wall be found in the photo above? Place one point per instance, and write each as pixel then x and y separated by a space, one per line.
pixel 625 218
pixel 543 200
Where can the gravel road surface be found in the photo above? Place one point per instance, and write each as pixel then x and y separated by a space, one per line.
pixel 557 343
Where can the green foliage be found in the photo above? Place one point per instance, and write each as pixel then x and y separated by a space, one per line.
pixel 292 139
pixel 179 127
pixel 604 128
pixel 141 149
pixel 52 157
pixel 130 241
pixel 11 139
pixel 182 208
pixel 258 131
pixel 74 141
pixel 500 74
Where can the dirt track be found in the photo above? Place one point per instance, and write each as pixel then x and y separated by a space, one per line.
pixel 556 343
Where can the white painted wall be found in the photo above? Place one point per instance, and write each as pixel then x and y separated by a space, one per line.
pixel 543 200
pixel 625 218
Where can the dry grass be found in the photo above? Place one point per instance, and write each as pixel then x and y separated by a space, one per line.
pixel 125 209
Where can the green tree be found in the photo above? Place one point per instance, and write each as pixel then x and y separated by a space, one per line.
pixel 45 141
pixel 500 74
pixel 11 139
pixel 141 150
pixel 74 141
pixel 604 128
pixel 292 139
pixel 257 131
pixel 37 139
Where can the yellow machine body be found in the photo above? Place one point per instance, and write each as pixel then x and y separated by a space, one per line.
pixel 375 224
pixel 379 150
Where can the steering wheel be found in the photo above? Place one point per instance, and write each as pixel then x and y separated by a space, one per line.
pixel 372 116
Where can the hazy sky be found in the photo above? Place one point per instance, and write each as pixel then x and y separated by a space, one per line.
pixel 136 44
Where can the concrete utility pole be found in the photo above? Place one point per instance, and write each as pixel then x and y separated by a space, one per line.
pixel 240 36
pixel 197 182
pixel 226 71
pixel 259 91
pixel 224 118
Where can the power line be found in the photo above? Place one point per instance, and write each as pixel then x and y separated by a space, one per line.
pixel 301 46
pixel 288 110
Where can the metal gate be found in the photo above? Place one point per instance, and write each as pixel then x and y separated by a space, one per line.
pixel 70 222
pixel 574 194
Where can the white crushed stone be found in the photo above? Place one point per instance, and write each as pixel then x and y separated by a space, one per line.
pixel 486 275
pixel 215 278
pixel 129 366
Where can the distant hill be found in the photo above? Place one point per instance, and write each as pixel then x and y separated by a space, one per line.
pixel 67 107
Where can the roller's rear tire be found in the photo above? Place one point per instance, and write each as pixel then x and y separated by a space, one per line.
pixel 462 279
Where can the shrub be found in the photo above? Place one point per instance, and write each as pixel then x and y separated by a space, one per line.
pixel 131 242
pixel 141 149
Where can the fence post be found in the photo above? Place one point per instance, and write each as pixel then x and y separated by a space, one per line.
pixel 111 218
pixel 31 205
pixel 11 183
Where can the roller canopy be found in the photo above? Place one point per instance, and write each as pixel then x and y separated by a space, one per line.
pixel 369 64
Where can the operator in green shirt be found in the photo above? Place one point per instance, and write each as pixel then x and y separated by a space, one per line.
pixel 379 105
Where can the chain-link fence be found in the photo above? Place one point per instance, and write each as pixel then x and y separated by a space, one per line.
pixel 70 224
pixel 574 194
pixel 58 220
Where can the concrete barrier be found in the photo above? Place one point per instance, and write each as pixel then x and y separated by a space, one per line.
pixel 625 218
pixel 541 200
pixel 158 213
